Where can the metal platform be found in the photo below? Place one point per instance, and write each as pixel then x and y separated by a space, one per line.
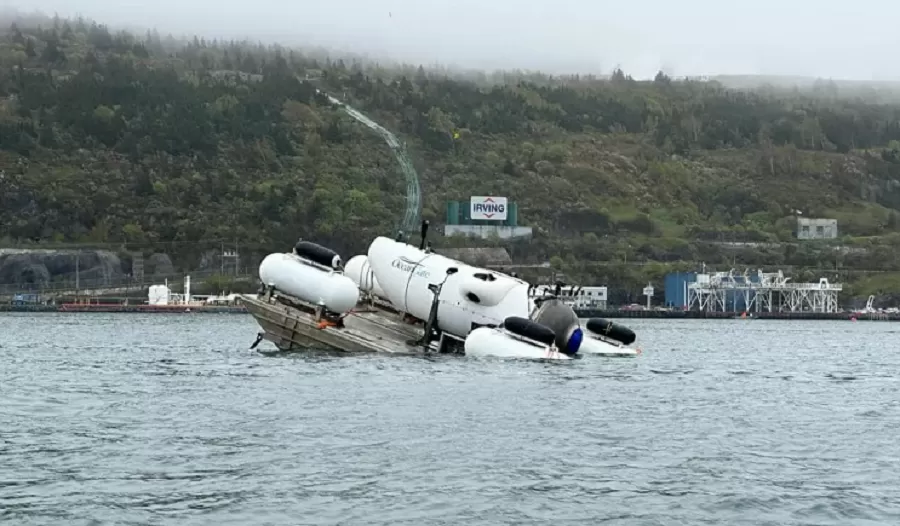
pixel 366 329
pixel 760 292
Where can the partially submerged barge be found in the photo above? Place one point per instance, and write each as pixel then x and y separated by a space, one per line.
pixel 292 324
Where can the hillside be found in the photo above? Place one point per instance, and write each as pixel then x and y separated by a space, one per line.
pixel 113 137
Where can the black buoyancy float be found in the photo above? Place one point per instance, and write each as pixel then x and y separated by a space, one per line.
pixel 611 330
pixel 529 329
pixel 317 254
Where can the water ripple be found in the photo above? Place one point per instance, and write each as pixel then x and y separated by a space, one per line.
pixel 129 419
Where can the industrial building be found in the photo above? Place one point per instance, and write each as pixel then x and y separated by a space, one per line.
pixel 816 228
pixel 749 292
pixel 594 298
pixel 485 217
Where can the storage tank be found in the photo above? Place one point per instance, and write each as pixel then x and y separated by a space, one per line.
pixel 676 288
pixel 512 215
pixel 158 295
pixel 452 212
pixel 465 215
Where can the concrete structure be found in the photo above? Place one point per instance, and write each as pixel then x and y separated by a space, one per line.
pixel 816 228
pixel 158 295
pixel 485 217
pixel 480 257
pixel 579 298
pixel 749 292
pixel 489 231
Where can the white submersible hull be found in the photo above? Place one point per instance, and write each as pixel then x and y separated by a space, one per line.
pixel 489 311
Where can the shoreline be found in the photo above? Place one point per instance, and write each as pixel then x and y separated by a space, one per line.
pixel 129 309
pixel 582 313
pixel 700 315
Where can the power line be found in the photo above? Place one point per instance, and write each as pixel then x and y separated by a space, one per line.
pixel 410 219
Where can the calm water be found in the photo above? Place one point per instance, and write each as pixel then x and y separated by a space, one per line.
pixel 130 419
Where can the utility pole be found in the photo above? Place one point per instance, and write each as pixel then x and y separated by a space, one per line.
pixel 77 271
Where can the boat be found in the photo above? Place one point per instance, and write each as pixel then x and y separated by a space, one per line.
pixel 402 298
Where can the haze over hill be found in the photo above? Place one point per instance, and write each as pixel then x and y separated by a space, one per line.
pixel 694 37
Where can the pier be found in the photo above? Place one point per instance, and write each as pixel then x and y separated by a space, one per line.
pixel 582 313
pixel 726 315
pixel 122 308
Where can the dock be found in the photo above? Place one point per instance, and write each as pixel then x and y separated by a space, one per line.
pixel 719 315
pixel 160 299
pixel 366 329
pixel 121 308
pixel 385 319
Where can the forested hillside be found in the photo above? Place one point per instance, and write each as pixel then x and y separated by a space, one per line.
pixel 109 136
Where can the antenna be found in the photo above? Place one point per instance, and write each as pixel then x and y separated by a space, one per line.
pixel 424 235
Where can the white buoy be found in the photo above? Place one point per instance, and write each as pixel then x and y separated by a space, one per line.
pixel 309 282
pixel 359 270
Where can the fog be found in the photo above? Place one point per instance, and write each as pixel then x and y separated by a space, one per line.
pixel 824 38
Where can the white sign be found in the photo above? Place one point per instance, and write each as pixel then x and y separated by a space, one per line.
pixel 648 290
pixel 485 207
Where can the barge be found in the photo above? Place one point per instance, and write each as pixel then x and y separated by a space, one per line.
pixel 402 299
pixel 292 324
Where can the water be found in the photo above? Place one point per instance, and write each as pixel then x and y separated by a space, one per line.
pixel 158 419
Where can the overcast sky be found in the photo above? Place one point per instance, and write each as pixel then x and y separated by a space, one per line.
pixel 825 38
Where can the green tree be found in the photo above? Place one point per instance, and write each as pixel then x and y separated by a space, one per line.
pixel 112 136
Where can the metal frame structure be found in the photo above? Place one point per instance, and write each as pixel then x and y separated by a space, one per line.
pixel 769 292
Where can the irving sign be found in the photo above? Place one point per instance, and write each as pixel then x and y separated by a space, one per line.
pixel 493 208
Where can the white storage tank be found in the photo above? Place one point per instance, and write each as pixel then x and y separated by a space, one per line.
pixel 158 295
